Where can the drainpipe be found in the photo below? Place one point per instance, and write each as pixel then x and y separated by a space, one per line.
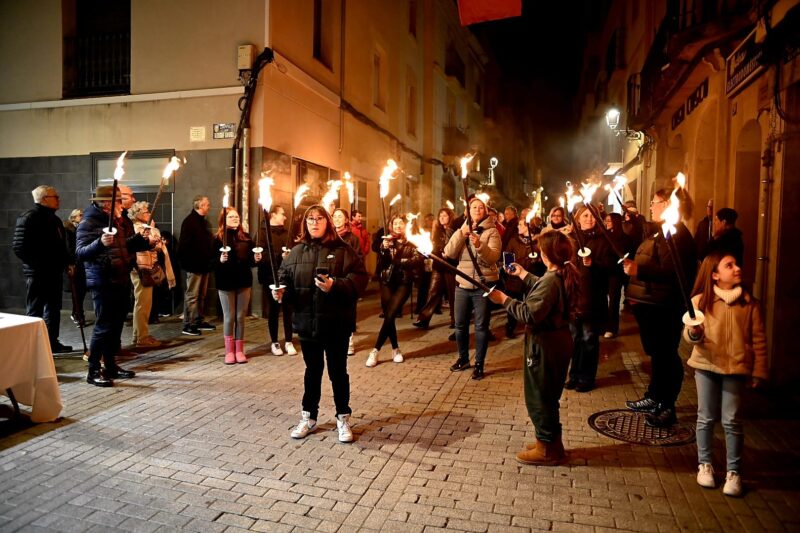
pixel 762 259
pixel 245 175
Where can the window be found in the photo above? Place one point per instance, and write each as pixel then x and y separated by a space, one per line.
pixel 379 80
pixel 96 48
pixel 411 103
pixel 323 32
pixel 454 65
pixel 412 18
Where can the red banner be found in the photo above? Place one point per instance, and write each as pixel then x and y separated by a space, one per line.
pixel 474 11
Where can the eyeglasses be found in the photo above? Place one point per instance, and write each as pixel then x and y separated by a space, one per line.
pixel 314 220
pixel 658 202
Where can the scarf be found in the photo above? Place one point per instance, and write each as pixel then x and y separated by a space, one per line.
pixel 728 295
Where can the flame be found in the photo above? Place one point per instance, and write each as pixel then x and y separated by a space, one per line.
pixel 620 181
pixel 419 238
pixel 530 215
pixel 333 193
pixel 388 170
pixel 483 197
pixel 348 183
pixel 587 192
pixel 561 201
pixel 671 215
pixel 173 165
pixel 680 178
pixel 265 193
pixel 572 198
pixel 225 197
pixel 301 193
pixel 120 171
pixel 464 162
pixel 449 204
pixel 395 200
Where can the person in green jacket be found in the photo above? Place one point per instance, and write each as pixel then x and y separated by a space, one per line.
pixel 549 302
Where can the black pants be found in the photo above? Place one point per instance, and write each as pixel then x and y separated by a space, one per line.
pixel 315 352
pixel 423 289
pixel 614 293
pixel 660 328
pixel 585 351
pixel 43 300
pixel 273 309
pixel 111 304
pixel 392 300
pixel 441 283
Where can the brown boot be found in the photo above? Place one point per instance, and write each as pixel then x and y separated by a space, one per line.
pixel 543 453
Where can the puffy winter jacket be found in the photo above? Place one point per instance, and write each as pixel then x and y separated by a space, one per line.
pixel 236 272
pixel 111 264
pixel 486 256
pixel 316 313
pixel 399 264
pixel 40 242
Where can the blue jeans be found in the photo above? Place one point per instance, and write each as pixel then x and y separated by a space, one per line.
pixel 111 302
pixel 715 393
pixel 468 301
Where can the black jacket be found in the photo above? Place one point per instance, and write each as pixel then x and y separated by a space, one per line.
pixel 236 272
pixel 399 264
pixel 318 314
pixel 729 242
pixel 40 242
pixel 196 244
pixel 279 240
pixel 107 265
pixel 592 299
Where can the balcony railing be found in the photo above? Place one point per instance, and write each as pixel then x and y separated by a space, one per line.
pixel 97 64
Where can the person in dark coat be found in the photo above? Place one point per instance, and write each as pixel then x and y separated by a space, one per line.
pixel 616 276
pixel 443 282
pixel 657 304
pixel 523 247
pixel 108 259
pixel 727 237
pixel 279 244
pixel 233 273
pixel 196 256
pixel 322 277
pixel 78 273
pixel 341 222
pixel 40 242
pixel 511 225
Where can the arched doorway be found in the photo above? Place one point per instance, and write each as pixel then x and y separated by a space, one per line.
pixel 747 172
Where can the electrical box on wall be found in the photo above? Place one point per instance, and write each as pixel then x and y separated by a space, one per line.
pixel 246 56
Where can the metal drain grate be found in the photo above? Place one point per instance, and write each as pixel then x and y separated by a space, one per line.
pixel 629 426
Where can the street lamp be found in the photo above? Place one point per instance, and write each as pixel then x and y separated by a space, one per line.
pixel 612 121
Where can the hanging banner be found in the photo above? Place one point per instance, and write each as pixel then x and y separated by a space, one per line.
pixel 474 11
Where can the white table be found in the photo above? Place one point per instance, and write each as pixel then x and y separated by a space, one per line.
pixel 27 367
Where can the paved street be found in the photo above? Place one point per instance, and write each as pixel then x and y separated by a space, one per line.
pixel 192 444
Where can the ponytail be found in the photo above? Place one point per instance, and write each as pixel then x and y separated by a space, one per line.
pixel 559 250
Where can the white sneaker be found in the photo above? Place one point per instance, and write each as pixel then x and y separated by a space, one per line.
pixel 343 425
pixel 276 349
pixel 733 484
pixel 351 349
pixel 372 358
pixel 306 426
pixel 397 357
pixel 705 476
pixel 289 347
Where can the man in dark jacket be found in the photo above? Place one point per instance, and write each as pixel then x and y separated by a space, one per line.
pixel 727 237
pixel 196 256
pixel 40 242
pixel 108 259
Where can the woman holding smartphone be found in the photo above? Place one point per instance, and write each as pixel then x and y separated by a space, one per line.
pixel 323 278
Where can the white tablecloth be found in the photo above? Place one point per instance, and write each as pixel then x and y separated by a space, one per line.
pixel 27 367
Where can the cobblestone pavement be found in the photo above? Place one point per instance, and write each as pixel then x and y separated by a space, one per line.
pixel 192 444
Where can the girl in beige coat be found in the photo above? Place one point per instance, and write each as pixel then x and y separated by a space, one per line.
pixel 730 348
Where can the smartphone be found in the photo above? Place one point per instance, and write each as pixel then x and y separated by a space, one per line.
pixel 508 259
pixel 321 271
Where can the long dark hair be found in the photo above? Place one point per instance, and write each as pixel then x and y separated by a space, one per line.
pixel 221 227
pixel 391 223
pixel 330 231
pixel 704 283
pixel 559 250
pixel 437 228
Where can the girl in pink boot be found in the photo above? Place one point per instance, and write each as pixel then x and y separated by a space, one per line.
pixel 234 280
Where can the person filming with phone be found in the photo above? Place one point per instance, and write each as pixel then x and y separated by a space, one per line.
pixel 322 277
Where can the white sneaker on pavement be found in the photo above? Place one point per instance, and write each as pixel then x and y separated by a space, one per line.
pixel 372 358
pixel 306 426
pixel 289 349
pixel 397 356
pixel 343 426
pixel 733 484
pixel 705 476
pixel 276 349
pixel 351 348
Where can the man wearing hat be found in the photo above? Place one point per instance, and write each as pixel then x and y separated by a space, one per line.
pixel 108 259
pixel 40 242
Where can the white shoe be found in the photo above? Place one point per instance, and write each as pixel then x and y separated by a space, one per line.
pixel 397 357
pixel 351 349
pixel 276 349
pixel 608 335
pixel 289 347
pixel 372 358
pixel 306 426
pixel 733 484
pixel 343 425
pixel 705 476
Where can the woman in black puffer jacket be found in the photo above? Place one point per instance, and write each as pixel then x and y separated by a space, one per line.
pixel 232 269
pixel 398 264
pixel 323 278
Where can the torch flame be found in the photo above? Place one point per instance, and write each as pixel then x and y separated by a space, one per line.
pixel 464 162
pixel 449 204
pixel 120 171
pixel 348 183
pixel 561 201
pixel 173 165
pixel 421 238
pixel 264 192
pixel 681 180
pixel 587 192
pixel 395 200
pixel 671 215
pixel 572 198
pixel 301 193
pixel 620 181
pixel 388 170
pixel 225 197
pixel 333 193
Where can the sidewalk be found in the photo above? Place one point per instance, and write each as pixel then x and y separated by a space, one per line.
pixel 192 444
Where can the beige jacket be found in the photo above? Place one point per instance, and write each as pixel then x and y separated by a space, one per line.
pixel 734 341
pixel 148 258
pixel 487 254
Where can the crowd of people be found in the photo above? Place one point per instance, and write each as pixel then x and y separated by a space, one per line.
pixel 563 281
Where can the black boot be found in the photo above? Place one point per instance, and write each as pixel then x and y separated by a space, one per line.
pixel 119 373
pixel 662 417
pixel 459 365
pixel 477 372
pixel 421 324
pixel 97 379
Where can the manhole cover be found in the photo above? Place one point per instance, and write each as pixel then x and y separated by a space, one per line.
pixel 629 426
